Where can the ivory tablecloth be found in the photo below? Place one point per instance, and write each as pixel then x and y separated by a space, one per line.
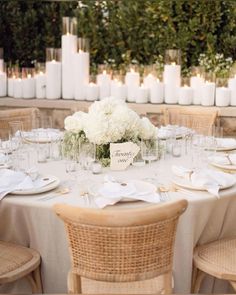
pixel 31 222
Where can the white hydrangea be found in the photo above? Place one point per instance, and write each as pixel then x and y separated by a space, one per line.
pixel 75 122
pixel 147 129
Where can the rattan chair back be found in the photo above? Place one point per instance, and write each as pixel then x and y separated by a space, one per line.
pixel 121 245
pixel 28 117
pixel 201 121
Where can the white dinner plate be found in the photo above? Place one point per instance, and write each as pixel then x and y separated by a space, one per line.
pixel 185 183
pixel 55 182
pixel 225 167
pixel 142 188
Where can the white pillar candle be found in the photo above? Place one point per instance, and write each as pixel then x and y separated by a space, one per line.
pixel 10 86
pixel 157 92
pixel 68 47
pixel 185 95
pixel 81 74
pixel 1 65
pixel 92 92
pixel 28 87
pixel 132 80
pixel 149 80
pixel 3 84
pixel 40 80
pixel 18 91
pixel 232 87
pixel 222 96
pixel 208 94
pixel 118 90
pixel 172 81
pixel 104 83
pixel 197 83
pixel 53 79
pixel 142 94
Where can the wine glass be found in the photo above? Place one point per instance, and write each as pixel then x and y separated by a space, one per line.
pixel 149 150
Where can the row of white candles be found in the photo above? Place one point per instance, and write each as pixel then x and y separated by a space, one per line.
pixel 200 92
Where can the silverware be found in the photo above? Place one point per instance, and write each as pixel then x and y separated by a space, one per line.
pixel 56 193
pixel 164 194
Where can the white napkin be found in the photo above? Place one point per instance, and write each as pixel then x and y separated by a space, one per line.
pixel 112 192
pixel 211 180
pixel 223 159
pixel 168 131
pixel 226 142
pixel 16 180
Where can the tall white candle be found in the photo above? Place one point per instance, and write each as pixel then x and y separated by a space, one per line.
pixel 208 94
pixel 10 86
pixel 28 87
pixel 132 80
pixel 40 80
pixel 18 91
pixel 172 80
pixel 104 83
pixel 149 80
pixel 92 92
pixel 69 47
pixel 142 94
pixel 3 84
pixel 185 95
pixel 1 65
pixel 222 96
pixel 53 79
pixel 232 87
pixel 118 90
pixel 197 83
pixel 81 74
pixel 157 92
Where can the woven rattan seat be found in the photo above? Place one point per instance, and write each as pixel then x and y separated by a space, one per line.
pixel 17 262
pixel 217 259
pixel 201 121
pixel 121 245
pixel 28 117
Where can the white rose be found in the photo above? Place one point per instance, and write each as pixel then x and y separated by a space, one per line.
pixel 75 122
pixel 147 129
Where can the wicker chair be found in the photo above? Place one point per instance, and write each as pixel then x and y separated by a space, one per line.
pixel 121 245
pixel 18 262
pixel 28 117
pixel 217 259
pixel 202 121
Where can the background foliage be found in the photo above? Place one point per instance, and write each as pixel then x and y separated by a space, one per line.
pixel 120 30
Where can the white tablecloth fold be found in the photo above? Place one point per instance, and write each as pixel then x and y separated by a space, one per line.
pixel 11 181
pixel 205 178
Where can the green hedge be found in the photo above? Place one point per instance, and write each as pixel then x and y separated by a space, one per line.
pixel 120 30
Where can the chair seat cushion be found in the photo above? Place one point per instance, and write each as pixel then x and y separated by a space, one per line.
pixel 12 257
pixel 218 258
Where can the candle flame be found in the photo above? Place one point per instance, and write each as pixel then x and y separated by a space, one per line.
pixel 185 86
pixel 53 60
pixel 198 75
pixel 158 80
pixel 40 73
pixel 132 70
pixel 173 63
pixel 104 72
pixel 29 76
pixel 80 51
pixel 14 76
pixel 92 84
pixel 119 83
pixel 235 76
pixel 67 34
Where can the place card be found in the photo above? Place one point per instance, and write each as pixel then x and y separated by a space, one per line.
pixel 122 154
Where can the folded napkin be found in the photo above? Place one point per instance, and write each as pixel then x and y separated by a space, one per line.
pixel 11 181
pixel 168 131
pixel 112 192
pixel 224 159
pixel 208 179
pixel 226 142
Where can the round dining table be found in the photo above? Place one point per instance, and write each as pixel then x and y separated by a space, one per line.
pixel 30 221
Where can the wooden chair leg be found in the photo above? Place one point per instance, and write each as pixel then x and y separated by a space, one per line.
pixel 73 283
pixel 194 277
pixel 233 284
pixel 167 278
pixel 199 278
pixel 37 279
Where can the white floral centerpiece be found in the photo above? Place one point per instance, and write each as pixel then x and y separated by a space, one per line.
pixel 107 121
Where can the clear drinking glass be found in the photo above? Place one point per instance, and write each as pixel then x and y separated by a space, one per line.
pixel 149 150
pixel 15 134
pixel 87 154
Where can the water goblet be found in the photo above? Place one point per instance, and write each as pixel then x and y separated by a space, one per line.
pixel 87 154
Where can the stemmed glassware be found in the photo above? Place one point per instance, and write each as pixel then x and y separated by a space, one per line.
pixel 87 154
